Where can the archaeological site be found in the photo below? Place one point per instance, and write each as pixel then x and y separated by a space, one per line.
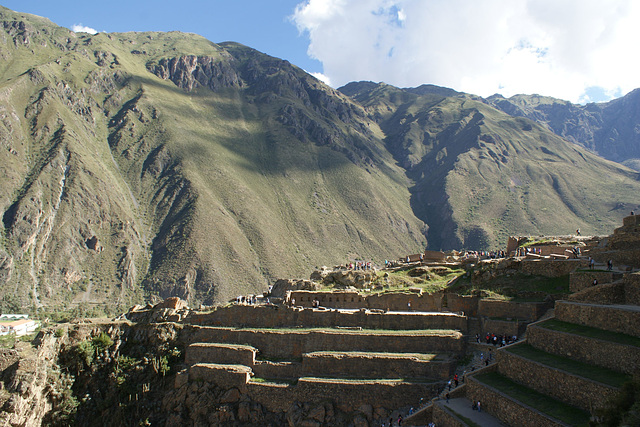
pixel 347 348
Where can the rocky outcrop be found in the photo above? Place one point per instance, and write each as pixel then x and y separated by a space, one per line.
pixel 189 72
pixel 282 286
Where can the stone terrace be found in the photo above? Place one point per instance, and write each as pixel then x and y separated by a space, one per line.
pixel 572 363
pixel 289 363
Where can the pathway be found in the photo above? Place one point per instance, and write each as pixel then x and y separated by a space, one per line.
pixel 462 406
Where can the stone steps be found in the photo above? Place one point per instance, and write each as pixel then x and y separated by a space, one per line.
pixel 542 372
pixel 584 344
pixel 505 400
pixel 615 318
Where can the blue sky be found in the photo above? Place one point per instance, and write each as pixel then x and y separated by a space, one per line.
pixel 577 50
pixel 261 24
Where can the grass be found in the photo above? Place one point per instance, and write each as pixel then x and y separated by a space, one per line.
pixel 433 357
pixel 595 373
pixel 260 380
pixel 430 283
pixel 464 419
pixel 425 332
pixel 587 331
pixel 543 403
pixel 518 287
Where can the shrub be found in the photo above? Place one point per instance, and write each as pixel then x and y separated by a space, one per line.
pixel 101 342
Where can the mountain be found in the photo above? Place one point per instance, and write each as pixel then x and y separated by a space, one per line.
pixel 609 129
pixel 481 174
pixel 146 165
pixel 163 164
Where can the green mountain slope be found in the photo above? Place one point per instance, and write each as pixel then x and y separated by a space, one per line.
pixel 146 165
pixel 481 175
pixel 164 164
pixel 608 128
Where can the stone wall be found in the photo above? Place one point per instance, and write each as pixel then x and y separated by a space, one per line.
pixel 551 268
pixel 348 395
pixel 277 370
pixel 610 318
pixel 280 317
pixel 225 376
pixel 466 304
pixel 571 389
pixel 502 407
pixel 617 357
pixel 394 301
pixel 511 310
pixel 220 353
pixel 289 344
pixel 374 365
pixel 579 280
pixel 502 327
pixel 632 288
pixel 444 418
pixel 610 293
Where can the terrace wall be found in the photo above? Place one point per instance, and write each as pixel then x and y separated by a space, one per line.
pixel 551 268
pixel 277 370
pixel 579 280
pixel 226 376
pixel 614 356
pixel 353 394
pixel 610 318
pixel 282 317
pixel 529 311
pixel 632 288
pixel 373 366
pixel 568 388
pixel 288 344
pixel 502 407
pixel 220 353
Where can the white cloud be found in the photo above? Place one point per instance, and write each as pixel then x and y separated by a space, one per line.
pixel 79 28
pixel 322 77
pixel 548 47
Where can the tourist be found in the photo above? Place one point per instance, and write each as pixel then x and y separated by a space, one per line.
pixel 578 232
pixel 447 396
pixel 479 408
pixel 595 282
pixel 610 265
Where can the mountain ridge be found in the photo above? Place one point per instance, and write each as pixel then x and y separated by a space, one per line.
pixel 147 165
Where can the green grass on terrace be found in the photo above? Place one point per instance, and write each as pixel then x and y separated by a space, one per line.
pixel 595 373
pixel 430 283
pixel 433 357
pixel 587 331
pixel 543 403
pixel 517 288
pixel 421 380
pixel 425 332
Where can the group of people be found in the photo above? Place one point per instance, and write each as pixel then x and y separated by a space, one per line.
pixel 486 254
pixel 249 299
pixel 359 265
pixel 527 250
pixel 497 340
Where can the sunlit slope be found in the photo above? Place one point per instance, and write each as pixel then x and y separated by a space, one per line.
pixel 163 164
pixel 482 175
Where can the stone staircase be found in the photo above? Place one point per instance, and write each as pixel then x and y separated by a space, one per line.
pixel 567 368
